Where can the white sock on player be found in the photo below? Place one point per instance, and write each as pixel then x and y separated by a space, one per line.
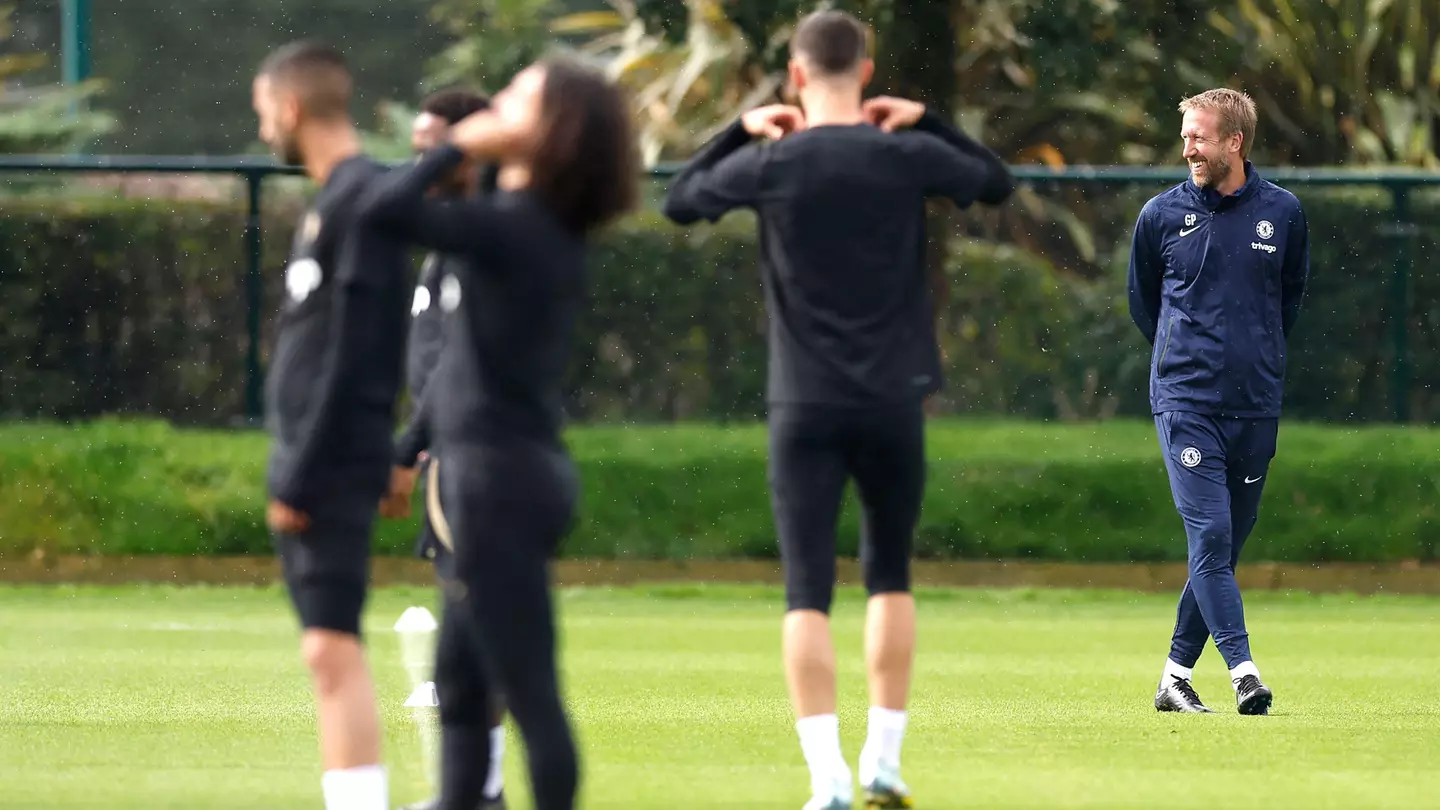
pixel 882 743
pixel 1174 670
pixel 362 788
pixel 495 782
pixel 820 742
pixel 1240 671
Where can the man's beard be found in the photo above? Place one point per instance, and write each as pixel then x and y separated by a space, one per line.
pixel 1215 171
pixel 287 149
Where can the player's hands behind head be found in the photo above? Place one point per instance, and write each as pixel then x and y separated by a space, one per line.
pixel 890 113
pixel 774 121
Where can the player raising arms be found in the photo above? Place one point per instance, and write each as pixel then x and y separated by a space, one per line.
pixel 330 401
pixel 1218 268
pixel 561 135
pixel 852 356
pixel 438 113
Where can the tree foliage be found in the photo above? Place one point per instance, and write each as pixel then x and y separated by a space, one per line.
pixel 177 73
pixel 492 40
pixel 1341 80
pixel 1097 81
pixel 686 78
pixel 1336 81
pixel 42 118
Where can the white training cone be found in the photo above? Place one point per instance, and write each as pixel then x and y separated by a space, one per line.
pixel 416 620
pixel 424 710
pixel 416 628
pixel 423 697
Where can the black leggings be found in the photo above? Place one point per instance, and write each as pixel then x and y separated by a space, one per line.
pixel 507 511
pixel 468 686
pixel 814 450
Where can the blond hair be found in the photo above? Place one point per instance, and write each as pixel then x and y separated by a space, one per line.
pixel 1236 112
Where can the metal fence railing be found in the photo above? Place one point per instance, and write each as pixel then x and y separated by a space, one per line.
pixel 1401 230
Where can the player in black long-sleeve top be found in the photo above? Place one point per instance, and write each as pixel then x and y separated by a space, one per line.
pixel 841 198
pixel 333 381
pixel 561 136
pixel 438 112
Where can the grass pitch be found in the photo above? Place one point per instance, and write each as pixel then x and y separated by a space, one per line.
pixel 158 697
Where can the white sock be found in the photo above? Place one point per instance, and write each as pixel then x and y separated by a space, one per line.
pixel 882 744
pixel 495 782
pixel 1173 669
pixel 362 788
pixel 820 742
pixel 1241 670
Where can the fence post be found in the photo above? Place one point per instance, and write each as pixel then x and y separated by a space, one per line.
pixel 75 45
pixel 1403 231
pixel 254 299
pixel 75 40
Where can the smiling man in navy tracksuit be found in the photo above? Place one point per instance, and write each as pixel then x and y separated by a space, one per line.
pixel 1217 272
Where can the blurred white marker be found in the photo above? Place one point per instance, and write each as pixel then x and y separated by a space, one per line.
pixel 416 627
pixel 423 697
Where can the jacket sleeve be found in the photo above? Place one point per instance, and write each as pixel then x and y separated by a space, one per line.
pixel 724 175
pixel 398 203
pixel 354 298
pixel 1296 272
pixel 981 177
pixel 1147 272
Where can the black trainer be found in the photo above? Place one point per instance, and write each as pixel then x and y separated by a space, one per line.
pixel 1252 696
pixel 1179 696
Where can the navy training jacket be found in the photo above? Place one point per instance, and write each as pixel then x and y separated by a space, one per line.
pixel 1215 286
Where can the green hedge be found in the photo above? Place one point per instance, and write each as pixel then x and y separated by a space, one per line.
pixel 137 307
pixel 997 489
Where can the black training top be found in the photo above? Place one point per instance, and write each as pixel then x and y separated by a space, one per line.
pixel 510 305
pixel 337 363
pixel 842 237
pixel 426 324
pixel 427 337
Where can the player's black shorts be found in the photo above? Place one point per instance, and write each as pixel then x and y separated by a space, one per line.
pixel 327 567
pixel 814 450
